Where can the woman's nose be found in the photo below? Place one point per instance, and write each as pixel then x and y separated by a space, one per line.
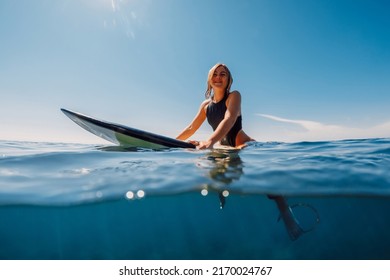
pixel 218 78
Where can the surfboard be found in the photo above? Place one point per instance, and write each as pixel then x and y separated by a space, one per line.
pixel 124 135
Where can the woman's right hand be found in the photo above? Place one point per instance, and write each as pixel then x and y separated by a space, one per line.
pixel 193 142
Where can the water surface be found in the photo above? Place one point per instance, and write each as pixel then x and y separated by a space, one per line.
pixel 72 201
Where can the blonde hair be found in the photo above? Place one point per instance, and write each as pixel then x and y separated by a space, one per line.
pixel 208 93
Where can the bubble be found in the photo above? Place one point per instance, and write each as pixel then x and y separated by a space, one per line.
pixel 140 194
pixel 129 195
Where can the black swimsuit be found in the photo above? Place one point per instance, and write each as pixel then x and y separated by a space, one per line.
pixel 216 113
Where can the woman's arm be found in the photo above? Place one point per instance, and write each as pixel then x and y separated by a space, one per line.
pixel 196 122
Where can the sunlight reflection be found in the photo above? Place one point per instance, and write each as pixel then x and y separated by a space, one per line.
pixel 130 195
pixel 99 194
pixel 140 194
pixel 123 14
pixel 225 193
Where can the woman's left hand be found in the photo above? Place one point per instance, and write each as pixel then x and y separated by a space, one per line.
pixel 205 145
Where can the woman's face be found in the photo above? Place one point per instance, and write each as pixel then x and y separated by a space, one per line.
pixel 220 78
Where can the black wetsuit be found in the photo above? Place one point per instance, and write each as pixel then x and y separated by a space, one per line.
pixel 215 114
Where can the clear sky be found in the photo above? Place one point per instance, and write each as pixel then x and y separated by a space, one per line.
pixel 306 70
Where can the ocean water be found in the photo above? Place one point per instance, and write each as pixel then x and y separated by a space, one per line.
pixel 307 200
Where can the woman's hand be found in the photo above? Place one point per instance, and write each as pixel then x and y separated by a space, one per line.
pixel 201 145
pixel 205 145
pixel 193 142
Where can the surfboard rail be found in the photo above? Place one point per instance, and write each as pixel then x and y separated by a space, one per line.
pixel 123 135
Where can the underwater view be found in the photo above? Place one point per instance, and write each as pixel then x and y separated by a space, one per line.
pixel 299 201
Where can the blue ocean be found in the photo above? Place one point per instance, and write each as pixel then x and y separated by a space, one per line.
pixel 307 200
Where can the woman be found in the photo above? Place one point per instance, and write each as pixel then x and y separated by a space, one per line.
pixel 222 108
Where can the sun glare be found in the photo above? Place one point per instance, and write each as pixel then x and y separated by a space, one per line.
pixel 121 15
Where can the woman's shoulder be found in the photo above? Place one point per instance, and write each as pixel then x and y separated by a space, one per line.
pixel 235 94
pixel 205 103
pixel 234 97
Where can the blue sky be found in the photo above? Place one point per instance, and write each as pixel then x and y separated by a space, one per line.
pixel 307 70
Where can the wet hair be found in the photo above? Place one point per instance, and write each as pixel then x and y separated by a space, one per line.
pixel 209 89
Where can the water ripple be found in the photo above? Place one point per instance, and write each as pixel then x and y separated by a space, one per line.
pixel 57 174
